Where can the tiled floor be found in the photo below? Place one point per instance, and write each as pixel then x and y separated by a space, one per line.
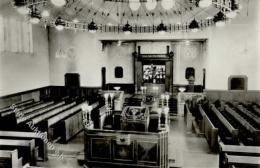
pixel 185 150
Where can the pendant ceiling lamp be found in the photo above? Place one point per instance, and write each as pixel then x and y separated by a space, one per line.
pixel 161 28
pixel 58 3
pixel 21 7
pixel 150 4
pixel 92 27
pixel 194 26
pixel 234 9
pixel 59 24
pixel 168 4
pixel 219 19
pixel 134 5
pixel 130 10
pixel 127 29
pixel 205 3
pixel 35 17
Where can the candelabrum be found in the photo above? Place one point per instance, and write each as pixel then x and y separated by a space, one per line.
pixel 164 109
pixel 86 110
pixel 109 102
pixel 143 90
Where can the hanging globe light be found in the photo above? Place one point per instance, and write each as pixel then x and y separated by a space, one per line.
pixel 134 5
pixel 150 4
pixel 58 3
pixel 205 3
pixel 167 4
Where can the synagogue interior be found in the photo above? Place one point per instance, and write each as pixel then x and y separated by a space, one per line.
pixel 129 83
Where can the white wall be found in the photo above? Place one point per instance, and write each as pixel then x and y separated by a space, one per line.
pixel 88 61
pixel 120 56
pixel 22 71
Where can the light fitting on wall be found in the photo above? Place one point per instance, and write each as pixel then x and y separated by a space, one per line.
pixel 219 19
pixel 92 27
pixel 194 25
pixel 161 28
pixel 59 24
pixel 127 29
pixel 58 3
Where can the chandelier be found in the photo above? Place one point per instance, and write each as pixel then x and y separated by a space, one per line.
pixel 50 13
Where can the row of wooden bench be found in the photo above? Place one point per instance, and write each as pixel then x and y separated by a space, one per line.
pixel 227 128
pixel 23 144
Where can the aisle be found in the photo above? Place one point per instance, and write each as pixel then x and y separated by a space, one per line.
pixel 189 150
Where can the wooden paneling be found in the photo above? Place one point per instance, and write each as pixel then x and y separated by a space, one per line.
pixel 112 148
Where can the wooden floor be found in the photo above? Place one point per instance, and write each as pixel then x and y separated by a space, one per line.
pixel 185 150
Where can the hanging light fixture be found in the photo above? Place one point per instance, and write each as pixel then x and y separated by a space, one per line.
pixel 219 19
pixel 58 3
pixel 127 29
pixel 205 3
pixel 59 24
pixel 21 7
pixel 167 4
pixel 194 26
pixel 35 17
pixel 150 4
pixel 134 5
pixel 161 28
pixel 234 9
pixel 92 27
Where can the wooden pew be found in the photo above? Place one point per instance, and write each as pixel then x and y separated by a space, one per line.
pixel 9 159
pixel 26 149
pixel 202 122
pixel 233 155
pixel 23 107
pixel 54 112
pixel 39 112
pixel 65 124
pixel 230 128
pixel 19 104
pixel 27 109
pixel 211 133
pixel 255 132
pixel 242 161
pixel 249 115
pixel 39 141
pixel 72 125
